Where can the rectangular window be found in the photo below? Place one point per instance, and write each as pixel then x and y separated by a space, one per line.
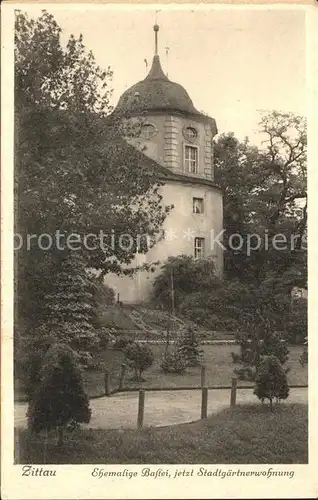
pixel 191 159
pixel 199 248
pixel 198 206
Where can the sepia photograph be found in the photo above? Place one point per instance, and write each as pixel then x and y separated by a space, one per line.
pixel 160 242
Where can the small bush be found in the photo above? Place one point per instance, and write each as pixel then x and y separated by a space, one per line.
pixel 189 347
pixel 253 349
pixel 139 357
pixel 31 350
pixel 106 335
pixel 86 361
pixel 275 345
pixel 271 380
pixel 245 373
pixel 173 362
pixel 189 276
pixel 121 343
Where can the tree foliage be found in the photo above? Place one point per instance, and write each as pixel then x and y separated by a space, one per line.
pixel 297 324
pixel 188 346
pixel 265 200
pixel 271 380
pixel 253 349
pixel 185 275
pixel 265 194
pixel 139 357
pixel 103 297
pixel 60 399
pixel 258 314
pixel 264 197
pixel 173 361
pixel 69 307
pixel 50 75
pixel 30 348
pixel 74 174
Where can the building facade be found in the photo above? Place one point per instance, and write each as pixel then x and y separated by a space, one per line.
pixel 167 127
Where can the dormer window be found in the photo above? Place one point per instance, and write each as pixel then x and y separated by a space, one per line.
pixel 191 159
pixel 148 131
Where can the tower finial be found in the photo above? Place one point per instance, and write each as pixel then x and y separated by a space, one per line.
pixel 156 29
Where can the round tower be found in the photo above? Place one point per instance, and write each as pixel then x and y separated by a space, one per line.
pixel 170 130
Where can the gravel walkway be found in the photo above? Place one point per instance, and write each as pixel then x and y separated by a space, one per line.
pixel 161 407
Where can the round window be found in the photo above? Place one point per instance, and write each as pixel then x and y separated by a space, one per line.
pixel 148 130
pixel 190 133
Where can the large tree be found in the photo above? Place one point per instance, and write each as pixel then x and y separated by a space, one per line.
pixel 265 195
pixel 264 198
pixel 74 174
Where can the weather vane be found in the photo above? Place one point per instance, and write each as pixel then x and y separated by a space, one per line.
pixel 167 54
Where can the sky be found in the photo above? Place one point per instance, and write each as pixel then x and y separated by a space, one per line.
pixel 233 62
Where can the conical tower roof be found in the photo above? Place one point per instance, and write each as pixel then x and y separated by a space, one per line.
pixel 156 93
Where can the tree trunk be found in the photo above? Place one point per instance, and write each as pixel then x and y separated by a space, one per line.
pixel 60 435
pixel 271 404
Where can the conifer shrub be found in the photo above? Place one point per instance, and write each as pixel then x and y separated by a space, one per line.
pixel 188 346
pixel 173 362
pixel 253 349
pixel 271 381
pixel 70 306
pixel 60 400
pixel 275 345
pixel 32 349
pixel 139 357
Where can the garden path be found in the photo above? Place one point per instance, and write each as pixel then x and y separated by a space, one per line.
pixel 161 407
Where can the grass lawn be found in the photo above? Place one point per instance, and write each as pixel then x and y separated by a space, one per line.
pixel 240 435
pixel 218 362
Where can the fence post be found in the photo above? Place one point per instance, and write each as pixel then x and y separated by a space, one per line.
pixel 107 383
pixel 122 376
pixel 203 376
pixel 233 391
pixel 204 402
pixel 141 408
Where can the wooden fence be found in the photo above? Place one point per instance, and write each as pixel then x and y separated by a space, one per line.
pixel 204 402
pixel 142 394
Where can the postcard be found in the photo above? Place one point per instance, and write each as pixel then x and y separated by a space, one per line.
pixel 157 288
